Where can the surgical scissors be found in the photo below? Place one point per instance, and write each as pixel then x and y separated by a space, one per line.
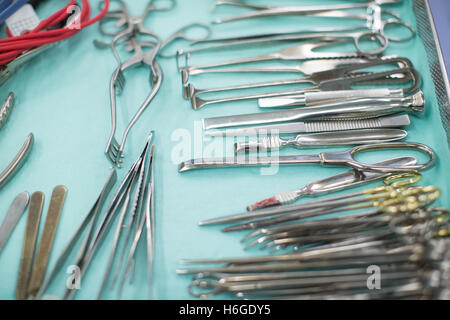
pixel 343 158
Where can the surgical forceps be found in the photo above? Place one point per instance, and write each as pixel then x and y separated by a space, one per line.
pixel 390 183
pixel 374 30
pixel 324 10
pixel 86 226
pixel 344 158
pixel 387 200
pixel 250 282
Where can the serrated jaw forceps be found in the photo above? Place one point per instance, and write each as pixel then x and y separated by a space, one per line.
pixel 342 158
pixel 114 150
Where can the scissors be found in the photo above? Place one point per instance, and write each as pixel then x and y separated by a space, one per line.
pixel 375 24
pixel 376 34
pixel 343 158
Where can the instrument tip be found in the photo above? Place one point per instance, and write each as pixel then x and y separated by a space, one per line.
pixel 269 202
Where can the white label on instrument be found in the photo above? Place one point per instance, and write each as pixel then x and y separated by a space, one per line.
pixel 23 20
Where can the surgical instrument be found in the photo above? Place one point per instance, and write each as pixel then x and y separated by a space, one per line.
pixel 254 282
pixel 353 228
pixel 150 221
pixel 87 226
pixel 29 244
pixel 124 20
pixel 13 216
pixel 46 242
pixel 305 68
pixel 140 223
pixel 140 174
pixel 303 273
pixel 6 109
pixel 336 84
pixel 347 179
pixel 298 52
pixel 18 161
pixel 354 137
pixel 94 239
pixel 11 68
pixel 388 202
pixel 114 151
pixel 373 30
pixel 343 158
pixel 315 126
pixel 324 10
pixel 120 226
pixel 341 110
pixel 316 78
pixel 361 254
pixel 323 203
